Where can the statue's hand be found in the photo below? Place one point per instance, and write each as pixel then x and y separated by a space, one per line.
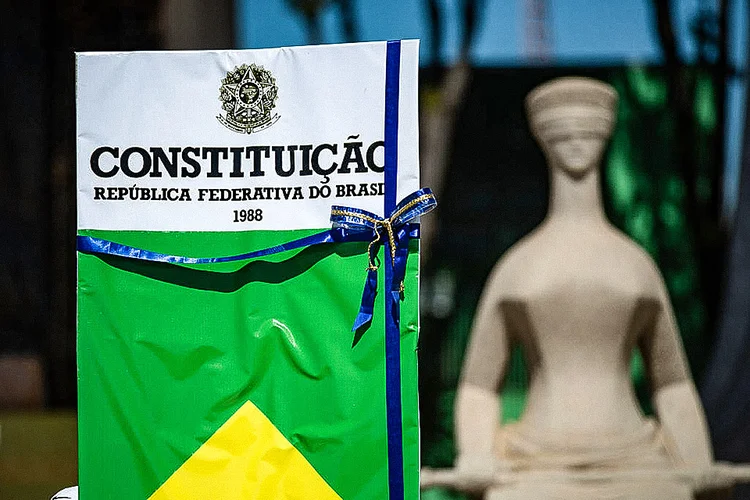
pixel 475 473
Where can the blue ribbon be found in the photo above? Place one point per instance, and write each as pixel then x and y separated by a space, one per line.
pixel 90 244
pixel 391 231
pixel 348 225
pixel 392 307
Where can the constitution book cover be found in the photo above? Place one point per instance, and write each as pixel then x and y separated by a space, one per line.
pixel 215 359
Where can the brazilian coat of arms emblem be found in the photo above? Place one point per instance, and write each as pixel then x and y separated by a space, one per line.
pixel 248 95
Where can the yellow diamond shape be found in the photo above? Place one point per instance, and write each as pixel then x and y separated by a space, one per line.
pixel 246 458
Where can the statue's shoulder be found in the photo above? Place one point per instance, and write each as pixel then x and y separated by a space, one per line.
pixel 516 260
pixel 636 258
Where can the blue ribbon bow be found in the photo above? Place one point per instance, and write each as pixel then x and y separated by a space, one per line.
pixel 391 231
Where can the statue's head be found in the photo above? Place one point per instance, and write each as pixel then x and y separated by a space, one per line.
pixel 572 119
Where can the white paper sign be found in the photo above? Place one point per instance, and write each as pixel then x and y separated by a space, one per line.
pixel 240 139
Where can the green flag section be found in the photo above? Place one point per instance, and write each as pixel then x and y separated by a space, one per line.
pixel 246 458
pixel 237 379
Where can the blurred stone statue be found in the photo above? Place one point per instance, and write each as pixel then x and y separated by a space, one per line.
pixel 578 296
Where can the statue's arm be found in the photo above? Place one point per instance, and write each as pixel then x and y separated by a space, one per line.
pixel 675 398
pixel 477 407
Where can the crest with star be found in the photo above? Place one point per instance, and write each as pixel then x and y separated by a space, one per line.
pixel 248 95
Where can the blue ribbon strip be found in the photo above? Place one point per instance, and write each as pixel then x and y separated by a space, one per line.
pixel 90 244
pixel 392 309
